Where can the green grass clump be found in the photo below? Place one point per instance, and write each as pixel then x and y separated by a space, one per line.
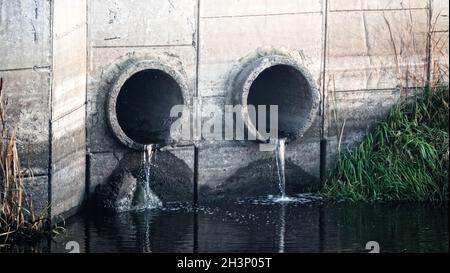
pixel 405 158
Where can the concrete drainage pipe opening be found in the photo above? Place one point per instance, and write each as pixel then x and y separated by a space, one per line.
pixel 286 87
pixel 139 107
pixel 278 80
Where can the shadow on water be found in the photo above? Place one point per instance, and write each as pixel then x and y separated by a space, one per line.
pixel 260 225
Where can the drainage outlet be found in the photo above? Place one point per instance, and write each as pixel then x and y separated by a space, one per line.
pixel 140 102
pixel 276 80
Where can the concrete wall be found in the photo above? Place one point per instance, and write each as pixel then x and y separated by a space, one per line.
pixel 439 63
pixel 43 64
pixel 118 31
pixel 68 123
pixel 231 30
pixel 26 66
pixel 59 58
pixel 377 55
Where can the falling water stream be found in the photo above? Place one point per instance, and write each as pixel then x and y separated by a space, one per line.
pixel 280 158
pixel 150 200
pixel 148 153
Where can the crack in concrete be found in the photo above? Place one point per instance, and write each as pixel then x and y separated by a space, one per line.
pixel 36 13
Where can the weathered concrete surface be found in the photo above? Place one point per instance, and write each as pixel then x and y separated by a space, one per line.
pixel 68 131
pixel 250 149
pixel 362 55
pixel 146 30
pixel 25 34
pixel 102 165
pixel 373 48
pixel 103 70
pixel 143 23
pixel 360 109
pixel 260 178
pixel 69 57
pixel 275 77
pixel 28 111
pixel 439 15
pixel 171 180
pixel 25 68
pixel 244 34
pixel 234 8
pixel 68 162
pixel 439 41
pixel 356 112
pixel 376 55
pixel 118 193
pixel 243 28
pixel 376 5
pixel 219 160
pixel 37 191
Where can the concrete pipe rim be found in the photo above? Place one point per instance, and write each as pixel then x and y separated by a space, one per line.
pixel 254 69
pixel 111 103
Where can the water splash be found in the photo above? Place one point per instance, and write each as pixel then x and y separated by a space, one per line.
pixel 280 158
pixel 297 199
pixel 150 199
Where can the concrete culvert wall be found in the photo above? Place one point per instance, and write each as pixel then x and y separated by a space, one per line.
pixel 140 101
pixel 277 80
pixel 144 103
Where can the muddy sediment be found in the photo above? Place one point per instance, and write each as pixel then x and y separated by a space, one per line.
pixel 260 178
pixel 170 180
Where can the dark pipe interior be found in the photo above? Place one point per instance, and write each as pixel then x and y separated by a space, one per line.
pixel 286 87
pixel 144 103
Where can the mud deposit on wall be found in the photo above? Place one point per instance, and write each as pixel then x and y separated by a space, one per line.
pixel 171 179
pixel 260 178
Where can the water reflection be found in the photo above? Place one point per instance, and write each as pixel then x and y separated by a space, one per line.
pixel 195 231
pixel 282 227
pixel 261 227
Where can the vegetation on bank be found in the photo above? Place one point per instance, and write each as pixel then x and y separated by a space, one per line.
pixel 405 158
pixel 19 220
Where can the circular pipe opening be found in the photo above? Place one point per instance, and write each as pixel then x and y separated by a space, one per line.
pixel 144 103
pixel 286 87
pixel 276 80
pixel 140 102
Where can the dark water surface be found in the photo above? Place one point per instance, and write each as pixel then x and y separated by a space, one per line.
pixel 261 226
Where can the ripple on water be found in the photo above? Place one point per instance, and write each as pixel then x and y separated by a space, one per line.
pixel 298 199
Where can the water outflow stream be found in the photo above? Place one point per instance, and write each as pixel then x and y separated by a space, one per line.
pixel 280 158
pixel 150 199
pixel 148 154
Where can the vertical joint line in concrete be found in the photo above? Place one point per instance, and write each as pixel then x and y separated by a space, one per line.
pixel 87 157
pixel 197 48
pixel 324 67
pixel 197 71
pixel 429 33
pixel 196 95
pixel 50 125
pixel 323 139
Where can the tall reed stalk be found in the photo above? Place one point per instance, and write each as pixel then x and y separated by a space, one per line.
pixel 18 218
